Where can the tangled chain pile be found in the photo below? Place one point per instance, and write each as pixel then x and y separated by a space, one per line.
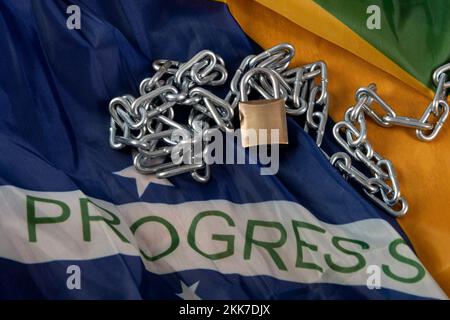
pixel 147 123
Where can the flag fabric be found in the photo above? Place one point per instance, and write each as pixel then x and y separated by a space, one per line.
pixel 78 222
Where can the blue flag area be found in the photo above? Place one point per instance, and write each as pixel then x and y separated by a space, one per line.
pixel 77 221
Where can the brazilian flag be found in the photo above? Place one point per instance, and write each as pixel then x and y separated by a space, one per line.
pixel 77 221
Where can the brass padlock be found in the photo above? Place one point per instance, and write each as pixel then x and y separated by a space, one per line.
pixel 259 117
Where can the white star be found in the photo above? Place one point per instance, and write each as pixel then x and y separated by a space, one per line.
pixel 188 293
pixel 142 180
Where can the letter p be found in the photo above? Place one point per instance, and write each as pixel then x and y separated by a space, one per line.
pixel 33 220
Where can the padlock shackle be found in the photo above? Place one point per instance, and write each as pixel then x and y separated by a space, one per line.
pixel 272 77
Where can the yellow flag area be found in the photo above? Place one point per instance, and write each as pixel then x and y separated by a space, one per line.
pixel 423 168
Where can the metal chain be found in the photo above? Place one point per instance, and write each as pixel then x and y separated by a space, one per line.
pixel 146 124
pixel 351 133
